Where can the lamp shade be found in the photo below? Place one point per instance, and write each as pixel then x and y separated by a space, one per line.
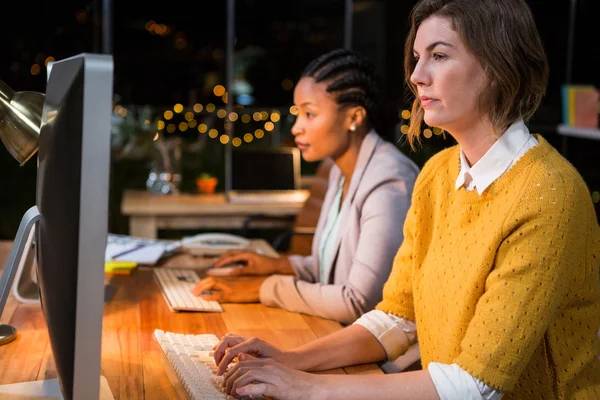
pixel 20 120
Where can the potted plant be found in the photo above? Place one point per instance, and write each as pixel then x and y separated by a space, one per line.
pixel 206 183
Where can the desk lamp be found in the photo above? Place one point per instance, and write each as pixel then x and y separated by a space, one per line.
pixel 20 121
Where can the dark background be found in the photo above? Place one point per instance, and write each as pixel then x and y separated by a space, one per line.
pixel 278 40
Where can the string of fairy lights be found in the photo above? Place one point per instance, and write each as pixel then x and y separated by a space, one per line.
pixel 267 119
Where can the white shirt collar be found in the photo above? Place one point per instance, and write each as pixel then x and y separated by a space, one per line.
pixel 496 161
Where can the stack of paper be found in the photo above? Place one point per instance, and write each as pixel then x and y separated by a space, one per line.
pixel 137 250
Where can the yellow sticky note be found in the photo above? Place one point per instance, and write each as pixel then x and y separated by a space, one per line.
pixel 119 265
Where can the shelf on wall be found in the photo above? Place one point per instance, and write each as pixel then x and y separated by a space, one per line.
pixel 575 131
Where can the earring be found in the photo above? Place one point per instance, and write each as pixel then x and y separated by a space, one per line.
pixel 353 128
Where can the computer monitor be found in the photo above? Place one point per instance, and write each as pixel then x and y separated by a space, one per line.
pixel 270 168
pixel 72 220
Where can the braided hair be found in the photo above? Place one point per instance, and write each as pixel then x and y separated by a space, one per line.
pixel 353 81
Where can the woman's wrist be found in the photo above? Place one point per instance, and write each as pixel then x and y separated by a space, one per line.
pixel 292 359
pixel 284 266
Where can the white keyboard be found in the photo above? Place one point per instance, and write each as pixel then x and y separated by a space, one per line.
pixel 191 358
pixel 176 286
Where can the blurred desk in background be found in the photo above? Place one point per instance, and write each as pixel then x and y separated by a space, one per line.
pixel 148 213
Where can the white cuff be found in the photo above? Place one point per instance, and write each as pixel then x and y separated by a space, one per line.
pixel 395 334
pixel 453 382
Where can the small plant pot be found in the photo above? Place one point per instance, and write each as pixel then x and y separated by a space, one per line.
pixel 206 185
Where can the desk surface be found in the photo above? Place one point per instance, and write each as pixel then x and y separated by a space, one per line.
pixel 142 202
pixel 132 361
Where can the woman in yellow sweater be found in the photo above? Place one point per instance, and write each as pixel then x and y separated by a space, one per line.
pixel 498 275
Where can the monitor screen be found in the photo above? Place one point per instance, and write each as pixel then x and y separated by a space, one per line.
pixel 265 169
pixel 72 198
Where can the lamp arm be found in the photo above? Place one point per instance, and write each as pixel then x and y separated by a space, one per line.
pixel 16 252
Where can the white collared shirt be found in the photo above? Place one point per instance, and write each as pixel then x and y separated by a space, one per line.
pixel 451 381
pixel 507 150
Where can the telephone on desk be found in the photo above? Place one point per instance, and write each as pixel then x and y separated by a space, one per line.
pixel 213 244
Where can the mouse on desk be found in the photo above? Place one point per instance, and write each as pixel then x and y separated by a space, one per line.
pixel 225 270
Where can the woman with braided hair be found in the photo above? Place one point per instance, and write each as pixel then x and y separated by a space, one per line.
pixel 340 113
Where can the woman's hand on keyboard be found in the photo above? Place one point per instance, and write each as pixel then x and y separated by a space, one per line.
pixel 254 264
pixel 266 377
pixel 244 289
pixel 232 345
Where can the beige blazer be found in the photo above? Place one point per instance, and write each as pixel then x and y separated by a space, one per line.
pixel 369 236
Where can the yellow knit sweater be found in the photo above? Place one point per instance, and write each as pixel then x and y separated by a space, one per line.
pixel 506 284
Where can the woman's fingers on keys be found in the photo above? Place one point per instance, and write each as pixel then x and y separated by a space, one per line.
pixel 226 342
pixel 252 346
pixel 258 381
pixel 240 370
pixel 203 285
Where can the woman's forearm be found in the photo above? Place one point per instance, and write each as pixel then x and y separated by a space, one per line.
pixel 350 346
pixel 405 385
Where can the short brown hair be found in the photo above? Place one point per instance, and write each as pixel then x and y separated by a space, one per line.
pixel 502 35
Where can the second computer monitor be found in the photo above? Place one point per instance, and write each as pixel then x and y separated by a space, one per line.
pixel 265 169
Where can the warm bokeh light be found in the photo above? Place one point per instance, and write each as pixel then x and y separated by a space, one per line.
pixel 49 60
pixel 192 123
pixel 259 133
pixel 427 133
pixel 256 116
pixel 219 90
pixel 189 116
pixel 287 84
pixel 210 107
pixel 35 69
pixel 224 139
pixel 248 137
pixel 156 137
pixel 81 17
pixel 171 128
pixel 264 115
pixel 246 118
pixel 178 108
pixel 294 110
pixel 404 129
pixel 269 126
pixel 160 125
pixel 168 114
pixel 198 107
pixel 202 128
pixel 225 98
pixel 183 126
pixel 218 54
pixel 437 131
pixel 233 116
pixel 275 117
pixel 237 142
pixel 213 133
pixel 405 114
pixel 222 113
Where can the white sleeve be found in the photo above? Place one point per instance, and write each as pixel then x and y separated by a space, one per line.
pixel 395 334
pixel 453 382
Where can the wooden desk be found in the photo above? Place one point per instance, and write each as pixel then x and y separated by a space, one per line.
pixel 148 213
pixel 132 361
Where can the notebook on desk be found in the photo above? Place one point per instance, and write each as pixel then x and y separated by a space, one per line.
pixel 265 175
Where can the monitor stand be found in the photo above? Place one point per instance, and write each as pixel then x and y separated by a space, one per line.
pixel 46 389
pixel 25 288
